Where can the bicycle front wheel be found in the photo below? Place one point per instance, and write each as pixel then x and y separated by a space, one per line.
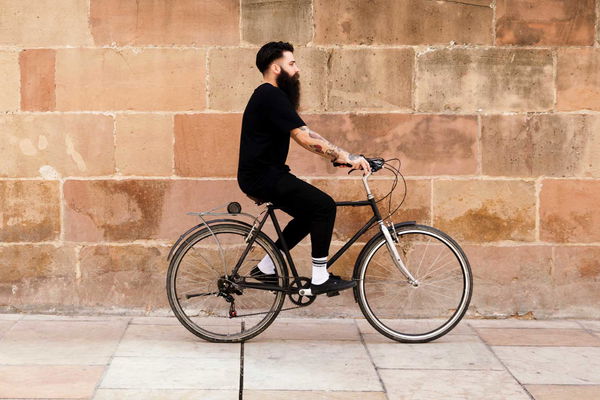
pixel 426 310
pixel 202 290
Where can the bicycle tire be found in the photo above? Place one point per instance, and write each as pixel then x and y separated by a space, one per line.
pixel 207 235
pixel 405 324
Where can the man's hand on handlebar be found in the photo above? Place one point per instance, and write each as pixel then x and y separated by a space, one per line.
pixel 353 161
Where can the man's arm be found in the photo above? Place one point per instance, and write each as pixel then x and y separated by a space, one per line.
pixel 316 143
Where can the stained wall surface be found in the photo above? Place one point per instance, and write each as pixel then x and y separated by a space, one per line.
pixel 117 117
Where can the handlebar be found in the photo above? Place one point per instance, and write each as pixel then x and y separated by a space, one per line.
pixel 375 163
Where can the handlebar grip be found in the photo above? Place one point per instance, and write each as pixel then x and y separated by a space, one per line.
pixel 337 164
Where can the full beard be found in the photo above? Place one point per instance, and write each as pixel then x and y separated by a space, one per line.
pixel 291 86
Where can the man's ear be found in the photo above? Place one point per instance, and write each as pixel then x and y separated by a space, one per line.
pixel 276 68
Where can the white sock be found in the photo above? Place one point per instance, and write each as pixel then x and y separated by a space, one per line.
pixel 266 265
pixel 319 270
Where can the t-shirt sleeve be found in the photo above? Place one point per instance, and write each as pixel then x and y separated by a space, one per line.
pixel 282 114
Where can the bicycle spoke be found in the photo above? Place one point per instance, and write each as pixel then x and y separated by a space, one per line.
pixel 422 258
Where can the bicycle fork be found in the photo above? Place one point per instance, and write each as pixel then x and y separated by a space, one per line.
pixel 390 243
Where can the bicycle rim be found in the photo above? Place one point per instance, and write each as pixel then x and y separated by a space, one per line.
pixel 203 265
pixel 424 312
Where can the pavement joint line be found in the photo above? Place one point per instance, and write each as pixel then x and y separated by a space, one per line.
pixel 439 369
pixel 111 358
pixel 591 332
pixel 241 388
pixel 362 340
pixel 2 335
pixel 485 343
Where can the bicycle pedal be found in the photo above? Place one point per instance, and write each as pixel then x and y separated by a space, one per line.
pixel 331 294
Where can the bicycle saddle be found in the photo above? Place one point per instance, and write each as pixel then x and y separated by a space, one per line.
pixel 256 200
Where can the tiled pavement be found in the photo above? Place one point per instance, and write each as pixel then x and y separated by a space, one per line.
pixel 106 357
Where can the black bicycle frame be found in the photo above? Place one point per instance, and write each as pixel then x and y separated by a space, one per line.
pixel 271 213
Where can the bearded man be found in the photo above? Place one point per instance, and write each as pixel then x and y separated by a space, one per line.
pixel 269 120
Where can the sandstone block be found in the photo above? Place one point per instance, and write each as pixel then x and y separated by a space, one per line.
pixel 425 144
pixel 576 275
pixel 265 21
pixel 113 210
pixel 578 79
pixel 493 79
pixel 511 280
pixel 568 211
pixel 130 79
pixel 232 83
pixel 485 211
pixel 29 211
pixel 576 264
pixel 597 25
pixel 37 79
pixel 555 23
pixel 37 276
pixel 156 22
pixel 541 145
pixel 44 23
pixel 126 210
pixel 123 276
pixel 350 219
pixel 144 144
pixel 370 79
pixel 54 145
pixel 9 81
pixel 207 144
pixel 410 22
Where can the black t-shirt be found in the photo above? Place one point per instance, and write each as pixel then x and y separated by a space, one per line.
pixel 265 139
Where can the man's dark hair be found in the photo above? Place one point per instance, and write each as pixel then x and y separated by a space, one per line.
pixel 270 52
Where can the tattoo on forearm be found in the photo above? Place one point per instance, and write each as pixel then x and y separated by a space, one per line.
pixel 332 154
pixel 316 148
pixel 322 145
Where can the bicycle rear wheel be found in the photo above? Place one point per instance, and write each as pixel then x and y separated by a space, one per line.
pixel 201 288
pixel 415 313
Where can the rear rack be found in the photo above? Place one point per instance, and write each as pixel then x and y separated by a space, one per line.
pixel 233 209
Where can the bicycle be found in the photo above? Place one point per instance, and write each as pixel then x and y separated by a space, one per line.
pixel 424 272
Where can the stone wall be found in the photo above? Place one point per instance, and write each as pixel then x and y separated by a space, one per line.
pixel 118 117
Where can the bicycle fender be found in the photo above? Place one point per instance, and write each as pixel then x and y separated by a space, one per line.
pixel 375 238
pixel 193 229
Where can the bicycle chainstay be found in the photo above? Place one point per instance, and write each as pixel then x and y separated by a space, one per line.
pixel 271 312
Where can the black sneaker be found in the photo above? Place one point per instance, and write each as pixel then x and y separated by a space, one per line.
pixel 333 284
pixel 257 274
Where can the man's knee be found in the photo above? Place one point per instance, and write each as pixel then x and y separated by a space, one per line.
pixel 327 206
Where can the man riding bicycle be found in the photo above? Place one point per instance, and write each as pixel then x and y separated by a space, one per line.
pixel 269 120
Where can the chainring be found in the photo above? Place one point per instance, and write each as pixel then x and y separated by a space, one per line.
pixel 296 298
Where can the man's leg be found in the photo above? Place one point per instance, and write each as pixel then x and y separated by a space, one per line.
pixel 293 233
pixel 314 212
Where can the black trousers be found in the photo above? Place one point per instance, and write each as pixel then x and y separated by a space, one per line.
pixel 313 211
